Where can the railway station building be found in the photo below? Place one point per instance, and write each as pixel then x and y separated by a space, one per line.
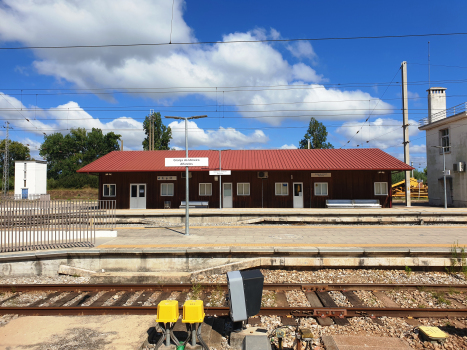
pixel 298 178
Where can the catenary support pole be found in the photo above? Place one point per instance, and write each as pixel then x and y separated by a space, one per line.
pixel 220 182
pixel 405 126
pixel 187 197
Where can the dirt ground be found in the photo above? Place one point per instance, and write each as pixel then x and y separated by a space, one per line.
pixel 75 332
pixel 83 193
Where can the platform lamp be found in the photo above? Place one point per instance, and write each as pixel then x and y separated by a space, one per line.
pixel 186 119
pixel 444 174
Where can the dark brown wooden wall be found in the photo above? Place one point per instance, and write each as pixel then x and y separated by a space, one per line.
pixel 341 185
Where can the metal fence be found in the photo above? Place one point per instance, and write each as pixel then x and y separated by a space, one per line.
pixel 43 224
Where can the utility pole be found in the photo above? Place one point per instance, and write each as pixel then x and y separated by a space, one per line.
pixel 6 178
pixel 405 125
pixel 151 130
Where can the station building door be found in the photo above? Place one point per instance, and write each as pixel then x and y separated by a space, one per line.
pixel 137 196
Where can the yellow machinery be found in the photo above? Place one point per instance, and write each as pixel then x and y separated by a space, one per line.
pixel 193 316
pixel 168 315
pixel 416 190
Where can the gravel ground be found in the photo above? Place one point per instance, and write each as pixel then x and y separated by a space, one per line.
pixel 297 298
pixel 369 298
pixel 346 276
pixel 59 279
pixel 340 299
pixel 420 299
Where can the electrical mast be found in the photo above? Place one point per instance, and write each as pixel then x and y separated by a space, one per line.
pixel 405 126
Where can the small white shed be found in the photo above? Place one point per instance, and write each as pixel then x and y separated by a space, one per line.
pixel 30 178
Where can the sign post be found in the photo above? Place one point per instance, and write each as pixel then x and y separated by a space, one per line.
pixel 186 119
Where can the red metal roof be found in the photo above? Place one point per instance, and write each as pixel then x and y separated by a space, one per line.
pixel 291 159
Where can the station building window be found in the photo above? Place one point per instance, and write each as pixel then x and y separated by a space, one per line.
pixel 243 189
pixel 321 188
pixel 167 189
pixel 282 188
pixel 205 189
pixel 109 190
pixel 381 188
pixel 444 141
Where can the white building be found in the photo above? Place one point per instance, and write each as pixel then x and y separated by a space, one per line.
pixel 446 128
pixel 30 178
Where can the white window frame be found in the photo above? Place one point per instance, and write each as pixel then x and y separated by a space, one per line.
pixel 282 186
pixel 441 137
pixel 205 194
pixel 321 186
pixel 242 185
pixel 109 195
pixel 385 188
pixel 167 184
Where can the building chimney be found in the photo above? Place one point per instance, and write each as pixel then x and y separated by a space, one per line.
pixel 436 104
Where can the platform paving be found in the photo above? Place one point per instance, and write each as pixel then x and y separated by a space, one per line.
pixel 286 236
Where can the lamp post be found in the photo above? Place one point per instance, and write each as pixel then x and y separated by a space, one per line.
pixel 444 175
pixel 187 196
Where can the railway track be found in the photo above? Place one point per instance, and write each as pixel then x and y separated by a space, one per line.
pixel 100 299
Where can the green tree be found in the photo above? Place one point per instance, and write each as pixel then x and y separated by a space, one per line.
pixel 162 134
pixel 16 151
pixel 317 135
pixel 67 153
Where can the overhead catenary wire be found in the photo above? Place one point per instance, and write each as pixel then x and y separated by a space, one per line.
pixel 239 41
pixel 369 115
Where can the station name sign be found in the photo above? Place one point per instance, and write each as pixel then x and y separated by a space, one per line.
pixel 320 174
pixel 159 178
pixel 178 162
pixel 219 172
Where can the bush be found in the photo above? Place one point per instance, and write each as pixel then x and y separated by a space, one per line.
pixel 12 183
pixel 74 181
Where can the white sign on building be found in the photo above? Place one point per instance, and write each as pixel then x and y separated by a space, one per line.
pixel 320 174
pixel 179 162
pixel 219 172
pixel 162 178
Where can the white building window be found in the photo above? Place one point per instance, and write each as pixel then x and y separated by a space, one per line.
pixel 205 189
pixel 444 141
pixel 109 190
pixel 381 188
pixel 167 189
pixel 282 188
pixel 243 189
pixel 321 188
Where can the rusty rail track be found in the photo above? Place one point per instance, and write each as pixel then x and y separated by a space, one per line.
pixel 77 294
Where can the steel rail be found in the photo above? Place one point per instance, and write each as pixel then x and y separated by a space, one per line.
pixel 186 287
pixel 322 312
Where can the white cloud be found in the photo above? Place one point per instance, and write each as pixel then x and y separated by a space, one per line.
pixel 291 146
pixel 81 22
pixel 417 149
pixel 302 49
pixel 220 138
pixel 382 133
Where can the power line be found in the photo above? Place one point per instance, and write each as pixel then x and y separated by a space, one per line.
pixel 369 115
pixel 236 41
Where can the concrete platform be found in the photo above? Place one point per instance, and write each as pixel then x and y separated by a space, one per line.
pixel 399 214
pixel 353 342
pixel 154 255
pixel 84 332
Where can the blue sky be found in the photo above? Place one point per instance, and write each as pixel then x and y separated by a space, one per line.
pixel 256 95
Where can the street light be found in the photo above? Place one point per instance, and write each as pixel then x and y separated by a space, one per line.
pixel 444 175
pixel 187 197
pixel 220 176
